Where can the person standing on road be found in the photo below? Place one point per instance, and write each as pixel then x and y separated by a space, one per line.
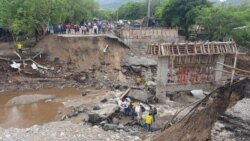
pixel 85 29
pixel 95 29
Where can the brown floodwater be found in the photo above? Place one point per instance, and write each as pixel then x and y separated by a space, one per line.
pixel 22 116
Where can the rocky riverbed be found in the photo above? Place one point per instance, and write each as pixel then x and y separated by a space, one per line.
pixel 64 131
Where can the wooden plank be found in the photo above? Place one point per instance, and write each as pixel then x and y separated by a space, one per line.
pixel 163 51
pixel 178 49
pixel 125 93
pixel 186 48
pixel 234 66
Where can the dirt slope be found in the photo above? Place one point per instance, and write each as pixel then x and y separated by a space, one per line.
pixel 84 52
pixel 198 126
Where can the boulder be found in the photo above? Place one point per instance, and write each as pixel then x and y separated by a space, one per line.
pixel 97 107
pixel 107 127
pixel 103 123
pixel 84 93
pixel 82 79
pixel 114 127
pixel 115 121
pixel 116 86
pixel 72 114
pixel 104 100
pixel 80 109
pixel 99 86
pixel 94 118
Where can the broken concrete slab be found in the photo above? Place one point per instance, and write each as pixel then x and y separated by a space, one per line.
pixel 105 111
pixel 139 95
pixel 139 61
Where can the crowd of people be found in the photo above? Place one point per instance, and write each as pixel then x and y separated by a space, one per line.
pixel 135 110
pixel 94 27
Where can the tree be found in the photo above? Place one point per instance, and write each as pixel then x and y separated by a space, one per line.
pixel 182 13
pixel 159 10
pixel 225 22
pixel 132 11
pixel 29 17
pixel 106 14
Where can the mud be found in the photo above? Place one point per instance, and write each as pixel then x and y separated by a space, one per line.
pixel 82 53
pixel 41 112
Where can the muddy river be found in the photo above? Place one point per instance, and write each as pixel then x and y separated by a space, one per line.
pixel 21 116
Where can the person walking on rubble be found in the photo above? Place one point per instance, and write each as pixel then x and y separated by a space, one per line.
pixel 139 111
pixel 19 47
pixel 133 113
pixel 148 122
pixel 127 109
pixel 153 111
pixel 138 80
pixel 123 106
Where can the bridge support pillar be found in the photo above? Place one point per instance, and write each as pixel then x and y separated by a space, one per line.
pixel 162 78
pixel 218 74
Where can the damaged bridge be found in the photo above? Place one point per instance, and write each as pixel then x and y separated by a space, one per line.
pixel 187 66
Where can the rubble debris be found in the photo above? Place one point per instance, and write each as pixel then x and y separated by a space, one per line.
pixel 106 110
pixel 15 65
pixel 223 97
pixel 95 118
pixel 64 131
pixel 198 94
pixel 34 66
pixel 97 107
pixel 234 124
pixel 104 100
pixel 115 120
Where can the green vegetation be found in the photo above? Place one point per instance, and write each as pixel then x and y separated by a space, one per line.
pixel 132 10
pixel 226 22
pixel 181 13
pixel 29 17
pixel 106 14
pixel 218 22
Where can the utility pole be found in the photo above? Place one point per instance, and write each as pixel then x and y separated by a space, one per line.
pixel 149 10
pixel 117 16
